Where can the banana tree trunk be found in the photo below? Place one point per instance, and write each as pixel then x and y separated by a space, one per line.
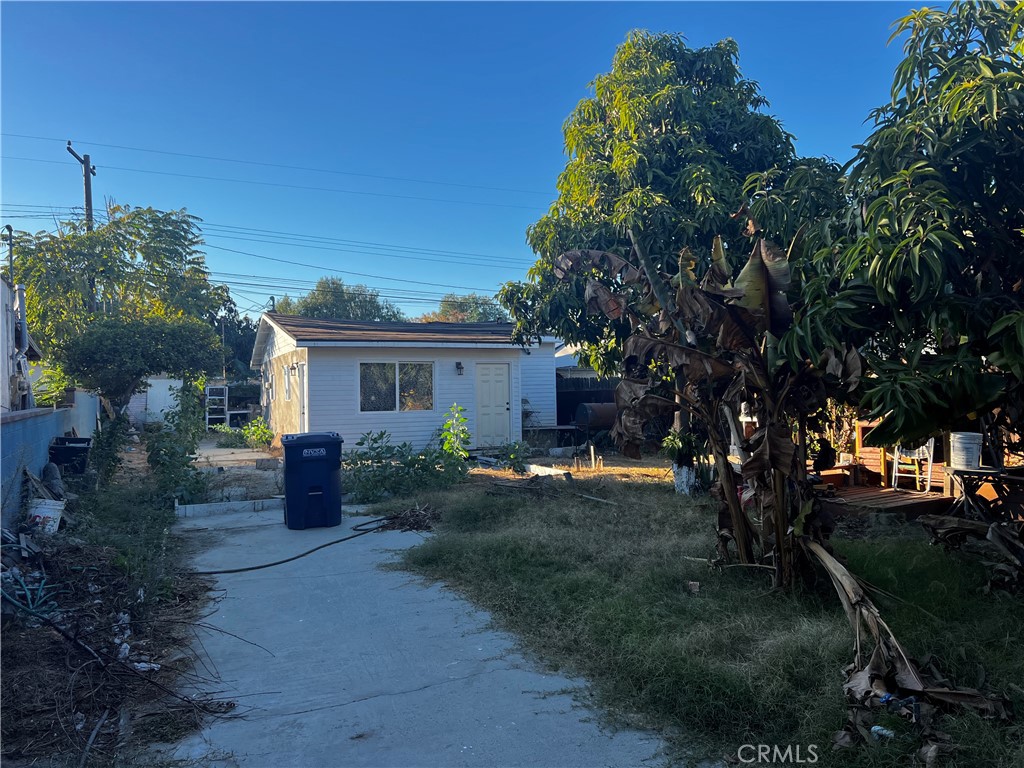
pixel 783 552
pixel 741 528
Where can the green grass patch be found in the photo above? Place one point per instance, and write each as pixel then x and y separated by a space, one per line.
pixel 602 591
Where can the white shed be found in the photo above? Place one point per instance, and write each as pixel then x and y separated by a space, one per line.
pixel 354 377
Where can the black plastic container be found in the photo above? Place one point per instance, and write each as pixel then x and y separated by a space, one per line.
pixel 71 453
pixel 312 480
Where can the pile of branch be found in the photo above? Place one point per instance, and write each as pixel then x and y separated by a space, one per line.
pixel 84 654
pixel 416 518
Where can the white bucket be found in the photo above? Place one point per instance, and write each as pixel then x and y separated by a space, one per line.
pixel 964 450
pixel 45 514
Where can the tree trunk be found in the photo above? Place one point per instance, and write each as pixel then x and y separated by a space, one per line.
pixel 741 528
pixel 780 519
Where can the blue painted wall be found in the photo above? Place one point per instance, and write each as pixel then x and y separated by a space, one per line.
pixel 25 441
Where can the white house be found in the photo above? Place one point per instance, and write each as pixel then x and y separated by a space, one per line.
pixel 155 401
pixel 354 377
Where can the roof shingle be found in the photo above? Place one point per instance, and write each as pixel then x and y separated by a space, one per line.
pixel 355 331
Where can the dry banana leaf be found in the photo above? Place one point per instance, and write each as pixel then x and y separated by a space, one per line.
pixel 616 265
pixel 600 300
pixel 775 450
pixel 889 672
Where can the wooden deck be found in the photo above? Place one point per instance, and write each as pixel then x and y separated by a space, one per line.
pixel 859 500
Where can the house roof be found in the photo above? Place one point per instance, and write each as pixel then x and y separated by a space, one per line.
pixel 316 332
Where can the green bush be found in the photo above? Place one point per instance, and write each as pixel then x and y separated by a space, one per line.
pixel 257 434
pixel 171 451
pixel 379 470
pixel 513 455
pixel 228 437
pixel 107 444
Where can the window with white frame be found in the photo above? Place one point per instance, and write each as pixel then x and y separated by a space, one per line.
pixel 396 387
pixel 287 382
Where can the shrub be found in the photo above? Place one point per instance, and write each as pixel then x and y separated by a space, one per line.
pixel 107 444
pixel 257 434
pixel 513 455
pixel 170 451
pixel 379 470
pixel 228 437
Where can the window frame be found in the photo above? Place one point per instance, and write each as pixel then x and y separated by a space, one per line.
pixel 287 383
pixel 398 384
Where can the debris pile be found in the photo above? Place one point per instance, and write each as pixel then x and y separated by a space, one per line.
pixel 416 518
pixel 88 662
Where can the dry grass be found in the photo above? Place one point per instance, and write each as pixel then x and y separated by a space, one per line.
pixel 603 590
pixel 118 569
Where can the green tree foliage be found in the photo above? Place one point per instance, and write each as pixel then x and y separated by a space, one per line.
pixel 915 257
pixel 471 308
pixel 332 299
pixel 238 333
pixel 114 356
pixel 938 186
pixel 664 145
pixel 141 262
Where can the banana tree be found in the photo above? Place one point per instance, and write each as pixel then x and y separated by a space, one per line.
pixel 708 345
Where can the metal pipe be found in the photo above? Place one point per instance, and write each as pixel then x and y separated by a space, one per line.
pixel 10 252
pixel 22 347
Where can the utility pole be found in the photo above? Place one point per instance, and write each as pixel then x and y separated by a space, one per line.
pixel 88 171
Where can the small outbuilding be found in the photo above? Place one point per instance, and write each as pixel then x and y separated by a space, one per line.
pixel 353 377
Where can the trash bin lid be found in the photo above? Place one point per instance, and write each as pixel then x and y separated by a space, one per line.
pixel 310 438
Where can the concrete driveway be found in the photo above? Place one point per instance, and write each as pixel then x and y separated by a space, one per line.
pixel 371 667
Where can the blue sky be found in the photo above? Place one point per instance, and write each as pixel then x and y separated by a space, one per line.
pixel 406 146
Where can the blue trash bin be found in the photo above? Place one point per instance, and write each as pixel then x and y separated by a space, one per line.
pixel 312 480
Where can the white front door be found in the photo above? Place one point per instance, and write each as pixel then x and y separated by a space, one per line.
pixel 493 405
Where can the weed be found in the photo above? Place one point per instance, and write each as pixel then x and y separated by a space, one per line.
pixel 512 456
pixel 228 437
pixel 379 470
pixel 257 434
pixel 455 434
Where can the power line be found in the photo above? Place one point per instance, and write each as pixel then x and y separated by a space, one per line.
pixel 462 302
pixel 213 229
pixel 276 281
pixel 287 167
pixel 363 251
pixel 286 186
pixel 343 272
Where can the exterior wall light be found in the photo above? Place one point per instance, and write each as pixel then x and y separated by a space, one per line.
pixel 459 368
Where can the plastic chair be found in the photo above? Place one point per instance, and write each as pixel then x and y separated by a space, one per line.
pixel 908 462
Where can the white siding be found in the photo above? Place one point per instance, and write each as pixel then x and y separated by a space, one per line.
pixel 334 391
pixel 539 384
pixel 278 344
pixel 151 404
